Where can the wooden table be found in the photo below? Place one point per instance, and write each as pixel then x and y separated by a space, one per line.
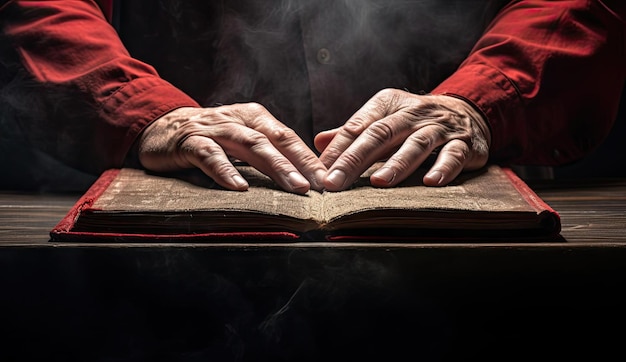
pixel 318 301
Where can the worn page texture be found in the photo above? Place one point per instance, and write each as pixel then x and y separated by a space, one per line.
pixel 136 191
pixel 487 190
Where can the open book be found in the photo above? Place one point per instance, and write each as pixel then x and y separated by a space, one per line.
pixel 133 205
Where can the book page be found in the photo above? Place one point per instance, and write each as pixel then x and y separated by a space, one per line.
pixel 487 190
pixel 136 191
pixel 190 202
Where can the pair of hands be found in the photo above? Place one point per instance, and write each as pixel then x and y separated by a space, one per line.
pixel 399 127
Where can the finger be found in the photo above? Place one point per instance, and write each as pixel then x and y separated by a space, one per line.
pixel 255 148
pixel 449 164
pixel 288 143
pixel 373 144
pixel 413 152
pixel 371 112
pixel 322 139
pixel 291 146
pixel 209 157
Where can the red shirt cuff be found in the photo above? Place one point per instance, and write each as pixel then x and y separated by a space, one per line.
pixel 493 94
pixel 135 105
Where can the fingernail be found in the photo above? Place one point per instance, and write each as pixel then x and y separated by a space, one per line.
pixel 297 181
pixel 240 182
pixel 318 180
pixel 337 178
pixel 386 174
pixel 435 175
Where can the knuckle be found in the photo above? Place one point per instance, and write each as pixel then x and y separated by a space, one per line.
pixel 187 145
pixel 401 164
pixel 218 168
pixel 380 132
pixel 387 93
pixel 420 142
pixel 225 113
pixel 354 127
pixel 279 164
pixel 389 97
pixel 351 160
pixel 457 153
pixel 253 140
pixel 330 155
pixel 254 107
pixel 197 149
pixel 201 149
pixel 283 135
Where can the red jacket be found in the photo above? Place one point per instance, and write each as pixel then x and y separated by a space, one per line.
pixel 547 75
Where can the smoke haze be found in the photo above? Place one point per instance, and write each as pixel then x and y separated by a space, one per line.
pixel 311 63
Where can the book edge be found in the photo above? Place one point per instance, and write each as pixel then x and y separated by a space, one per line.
pixel 92 194
pixel 63 229
pixel 536 202
pixel 99 237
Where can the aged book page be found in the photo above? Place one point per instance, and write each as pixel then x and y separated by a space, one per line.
pixel 134 190
pixel 191 205
pixel 130 204
pixel 135 193
pixel 469 198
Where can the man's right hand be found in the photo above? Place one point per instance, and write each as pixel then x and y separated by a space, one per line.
pixel 208 138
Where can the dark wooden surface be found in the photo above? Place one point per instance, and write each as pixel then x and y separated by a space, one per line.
pixel 593 213
pixel 317 301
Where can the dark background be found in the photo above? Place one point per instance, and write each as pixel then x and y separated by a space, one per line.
pixel 609 160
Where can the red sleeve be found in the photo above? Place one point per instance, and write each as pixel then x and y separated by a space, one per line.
pixel 68 50
pixel 548 76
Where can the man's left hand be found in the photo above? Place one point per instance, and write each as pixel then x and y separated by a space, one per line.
pixel 404 129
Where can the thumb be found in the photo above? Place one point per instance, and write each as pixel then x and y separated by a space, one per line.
pixel 324 138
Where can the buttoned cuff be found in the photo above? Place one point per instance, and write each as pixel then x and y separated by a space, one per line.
pixel 135 105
